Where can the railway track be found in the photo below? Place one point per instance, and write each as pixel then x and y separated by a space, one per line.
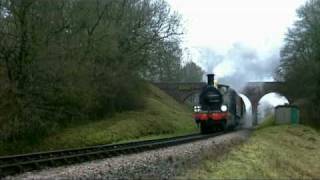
pixel 15 164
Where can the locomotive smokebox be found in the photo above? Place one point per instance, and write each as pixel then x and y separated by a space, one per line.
pixel 210 79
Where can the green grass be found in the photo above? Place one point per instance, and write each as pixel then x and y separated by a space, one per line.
pixel 269 121
pixel 161 117
pixel 273 152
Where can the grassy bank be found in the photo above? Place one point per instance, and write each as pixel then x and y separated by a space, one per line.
pixel 161 117
pixel 273 152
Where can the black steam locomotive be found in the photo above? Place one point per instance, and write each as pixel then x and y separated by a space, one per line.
pixel 220 107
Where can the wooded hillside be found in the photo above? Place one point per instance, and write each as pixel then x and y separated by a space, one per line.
pixel 81 59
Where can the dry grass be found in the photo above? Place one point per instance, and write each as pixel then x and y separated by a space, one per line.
pixel 274 152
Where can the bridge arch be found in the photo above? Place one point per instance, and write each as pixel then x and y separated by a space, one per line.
pixel 181 91
pixel 268 102
pixel 256 90
pixel 192 98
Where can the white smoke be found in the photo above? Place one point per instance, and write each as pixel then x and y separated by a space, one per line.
pixel 241 64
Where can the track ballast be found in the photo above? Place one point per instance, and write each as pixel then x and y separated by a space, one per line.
pixel 14 164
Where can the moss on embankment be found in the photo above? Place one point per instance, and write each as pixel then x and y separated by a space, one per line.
pixel 161 117
pixel 273 152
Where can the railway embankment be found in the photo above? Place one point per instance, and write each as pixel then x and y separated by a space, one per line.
pixel 161 117
pixel 272 152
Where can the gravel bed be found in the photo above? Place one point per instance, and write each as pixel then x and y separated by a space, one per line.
pixel 165 163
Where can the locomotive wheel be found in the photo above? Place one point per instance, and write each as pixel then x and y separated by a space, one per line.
pixel 224 126
pixel 203 128
pixel 231 128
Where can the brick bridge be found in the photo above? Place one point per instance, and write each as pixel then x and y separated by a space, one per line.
pixel 253 90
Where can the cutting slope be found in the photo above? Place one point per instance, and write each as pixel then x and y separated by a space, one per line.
pixel 162 116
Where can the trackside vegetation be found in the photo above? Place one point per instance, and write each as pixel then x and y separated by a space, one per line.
pixel 70 61
pixel 161 117
pixel 300 62
pixel 273 152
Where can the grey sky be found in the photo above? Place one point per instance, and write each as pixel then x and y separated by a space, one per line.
pixel 239 40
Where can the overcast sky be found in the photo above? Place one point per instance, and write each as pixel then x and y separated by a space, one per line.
pixel 239 40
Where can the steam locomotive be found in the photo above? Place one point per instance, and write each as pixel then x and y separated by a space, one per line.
pixel 220 108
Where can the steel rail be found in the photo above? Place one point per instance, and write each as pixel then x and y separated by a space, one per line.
pixel 14 164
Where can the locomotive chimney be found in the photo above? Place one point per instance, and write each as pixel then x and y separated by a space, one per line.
pixel 210 79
